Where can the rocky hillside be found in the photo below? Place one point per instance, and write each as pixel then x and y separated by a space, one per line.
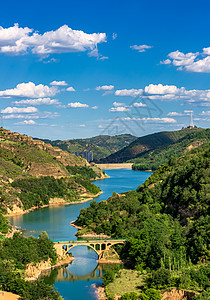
pixel 25 162
pixel 102 145
pixel 148 143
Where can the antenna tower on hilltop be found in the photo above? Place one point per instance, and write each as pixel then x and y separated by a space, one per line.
pixel 191 119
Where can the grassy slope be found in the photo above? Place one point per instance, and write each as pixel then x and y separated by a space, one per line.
pixel 102 145
pixel 147 143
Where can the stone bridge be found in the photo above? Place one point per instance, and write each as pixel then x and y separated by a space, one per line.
pixel 99 246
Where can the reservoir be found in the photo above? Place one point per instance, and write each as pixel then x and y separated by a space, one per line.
pixel 75 281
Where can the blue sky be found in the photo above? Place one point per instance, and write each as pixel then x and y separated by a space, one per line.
pixel 81 68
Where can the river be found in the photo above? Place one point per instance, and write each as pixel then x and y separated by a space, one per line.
pixel 74 282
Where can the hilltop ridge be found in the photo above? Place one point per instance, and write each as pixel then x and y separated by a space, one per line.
pixel 144 146
pixel 101 145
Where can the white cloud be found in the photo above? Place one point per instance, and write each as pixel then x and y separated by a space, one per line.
pixel 70 89
pixel 59 83
pixel 17 110
pixel 169 93
pixel 150 120
pixel 77 105
pixel 16 40
pixel 38 115
pixel 95 107
pixel 119 109
pixel 116 104
pixel 82 125
pixel 178 114
pixel 104 88
pixel 131 92
pixel 205 113
pixel 190 62
pixel 38 101
pixel 165 62
pixel 141 48
pixel 27 122
pixel 139 104
pixel 114 36
pixel 30 90
pixel 175 114
pixel 159 89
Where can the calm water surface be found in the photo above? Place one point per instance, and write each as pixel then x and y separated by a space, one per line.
pixel 74 282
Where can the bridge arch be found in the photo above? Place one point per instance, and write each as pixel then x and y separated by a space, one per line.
pixel 73 246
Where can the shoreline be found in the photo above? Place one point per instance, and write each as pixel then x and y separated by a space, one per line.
pixel 19 213
pixel 99 291
pixel 57 265
pixel 115 166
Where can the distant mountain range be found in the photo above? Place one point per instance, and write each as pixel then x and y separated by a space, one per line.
pixel 101 146
pixel 150 151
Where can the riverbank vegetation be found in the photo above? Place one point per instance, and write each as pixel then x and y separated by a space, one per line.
pixel 165 221
pixel 15 254
pixel 39 191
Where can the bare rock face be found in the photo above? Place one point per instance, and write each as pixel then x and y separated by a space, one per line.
pixel 34 270
pixel 176 294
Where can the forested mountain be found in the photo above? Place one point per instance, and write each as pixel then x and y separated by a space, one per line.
pixel 152 159
pixel 102 145
pixel 144 146
pixel 166 222
pixel 33 173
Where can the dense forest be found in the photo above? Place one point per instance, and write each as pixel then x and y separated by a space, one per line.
pixel 166 222
pixel 15 254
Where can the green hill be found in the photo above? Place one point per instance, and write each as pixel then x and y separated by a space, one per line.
pixel 101 146
pixel 33 173
pixel 165 221
pixel 144 146
pixel 152 159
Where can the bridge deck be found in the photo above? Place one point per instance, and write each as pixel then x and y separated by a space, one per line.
pixel 99 241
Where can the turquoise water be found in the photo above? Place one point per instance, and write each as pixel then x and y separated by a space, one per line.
pixel 74 282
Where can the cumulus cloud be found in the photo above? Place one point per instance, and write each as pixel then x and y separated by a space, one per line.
pixel 82 125
pixel 169 93
pixel 116 104
pixel 141 48
pixel 59 83
pixel 104 88
pixel 131 92
pixel 77 105
pixel 38 101
pixel 95 107
pixel 30 90
pixel 70 89
pixel 139 104
pixel 119 109
pixel 16 40
pixel 190 62
pixel 27 122
pixel 17 110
